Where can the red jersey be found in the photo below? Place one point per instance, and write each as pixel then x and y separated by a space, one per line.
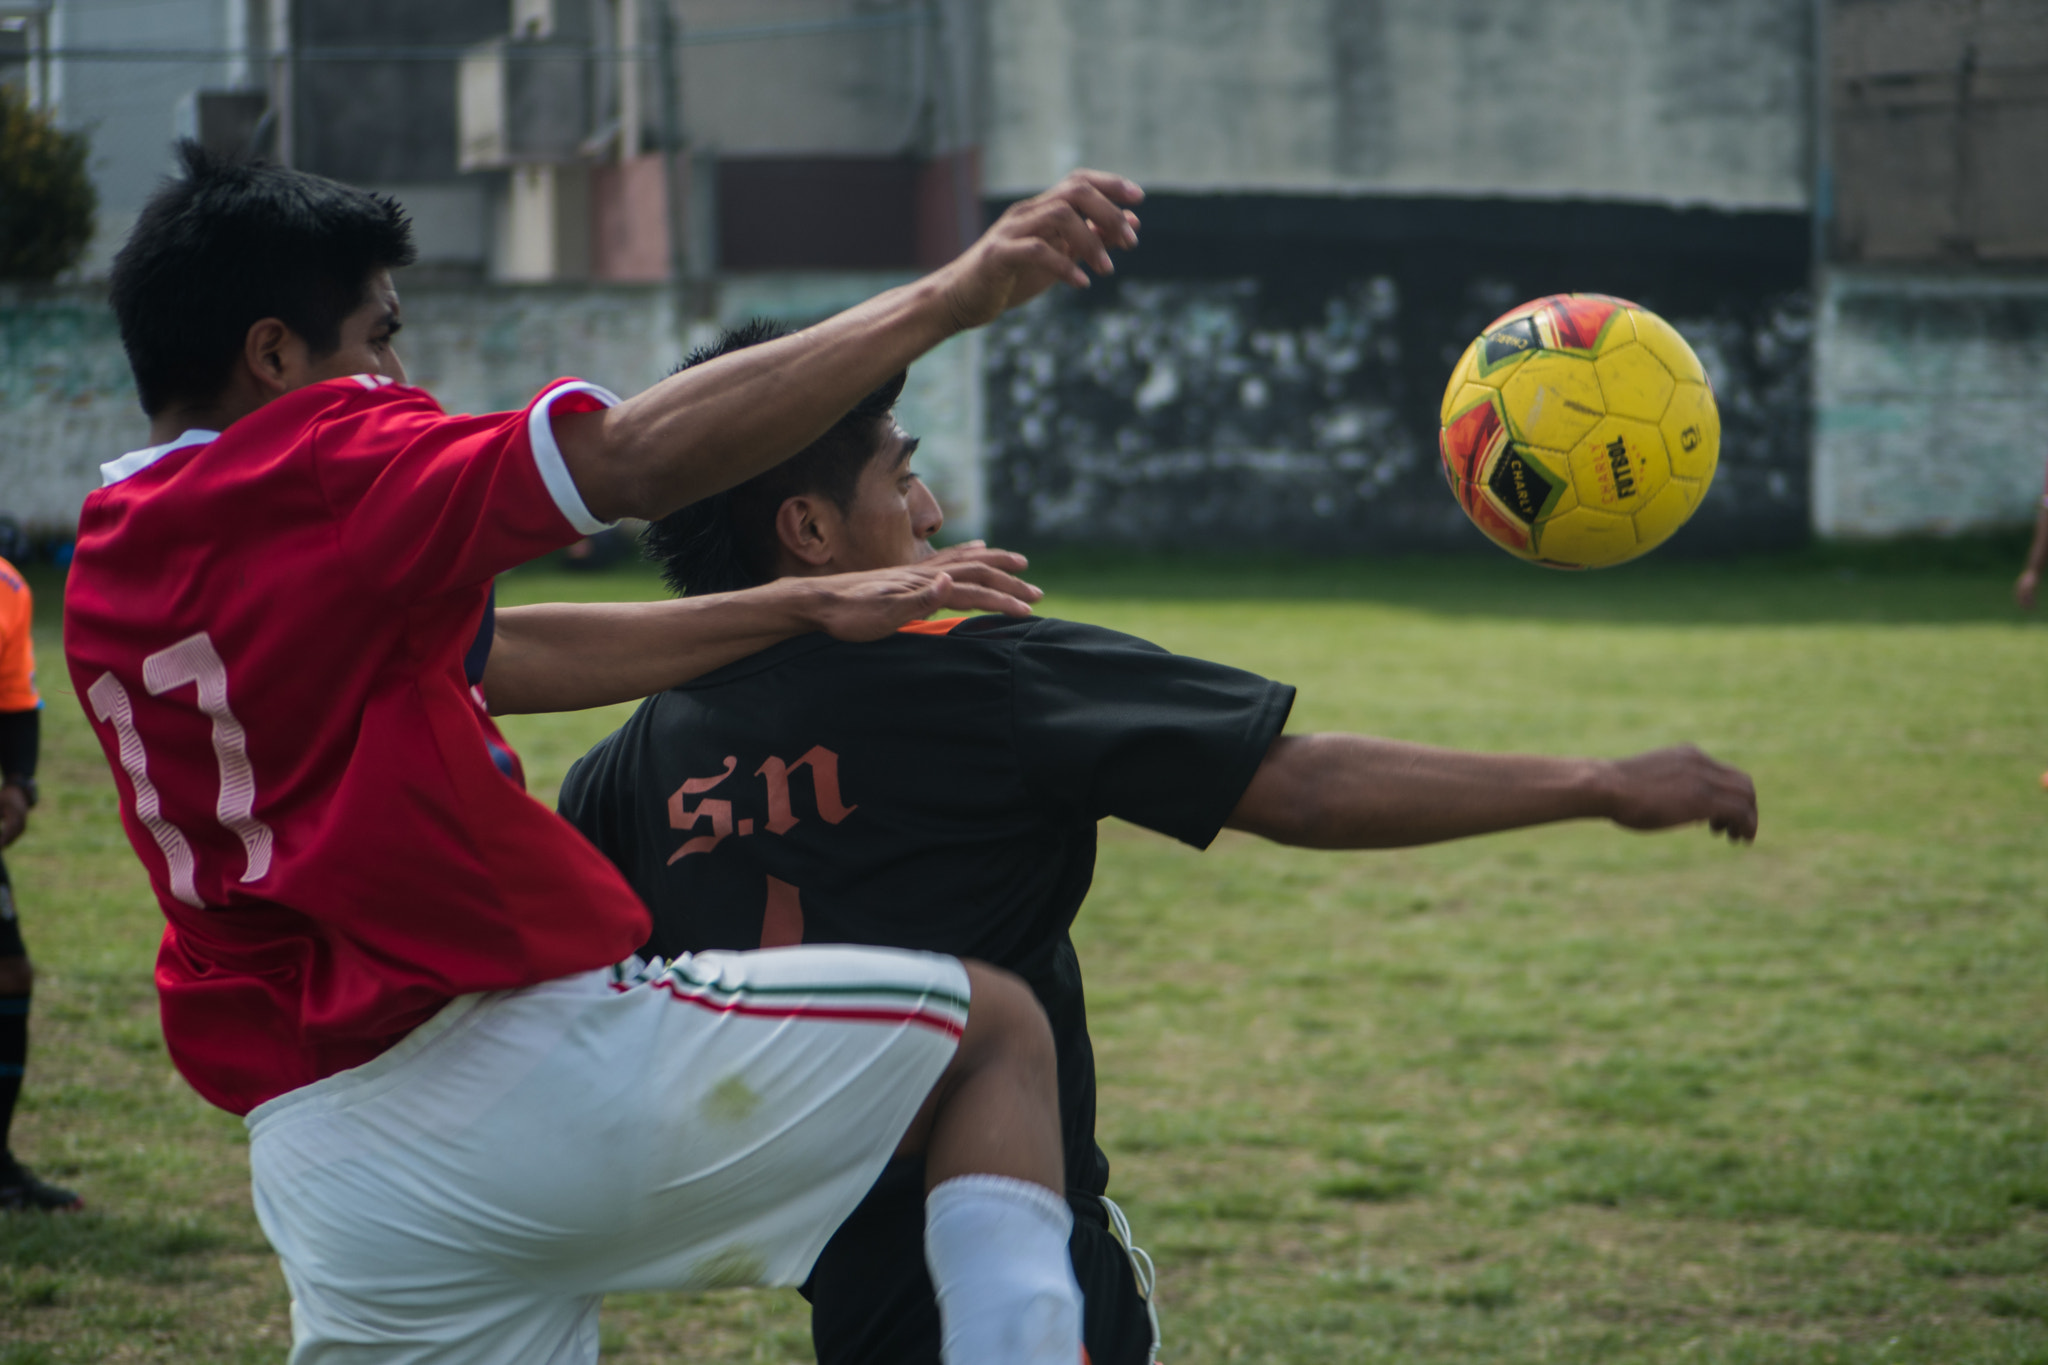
pixel 267 628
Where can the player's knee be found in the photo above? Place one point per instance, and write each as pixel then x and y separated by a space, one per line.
pixel 17 976
pixel 1005 1020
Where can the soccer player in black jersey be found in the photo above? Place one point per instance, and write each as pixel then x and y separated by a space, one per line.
pixel 939 789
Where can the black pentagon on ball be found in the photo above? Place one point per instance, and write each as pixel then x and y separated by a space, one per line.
pixel 1523 487
pixel 1505 343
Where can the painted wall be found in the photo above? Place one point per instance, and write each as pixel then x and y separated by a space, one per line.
pixel 1300 414
pixel 65 386
pixel 1930 414
pixel 901 84
pixel 1668 101
pixel 70 404
pixel 1245 409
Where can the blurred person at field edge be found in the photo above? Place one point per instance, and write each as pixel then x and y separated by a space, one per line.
pixel 20 734
pixel 2037 558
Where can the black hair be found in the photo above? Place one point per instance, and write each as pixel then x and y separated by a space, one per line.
pixel 727 541
pixel 231 242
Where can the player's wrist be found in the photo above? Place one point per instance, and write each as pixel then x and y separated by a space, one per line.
pixel 1599 787
pixel 25 788
pixel 943 300
pixel 805 605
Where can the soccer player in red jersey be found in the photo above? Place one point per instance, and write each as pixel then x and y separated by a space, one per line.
pixel 939 789
pixel 467 1124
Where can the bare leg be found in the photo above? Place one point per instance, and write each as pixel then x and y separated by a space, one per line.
pixel 996 1215
pixel 996 1109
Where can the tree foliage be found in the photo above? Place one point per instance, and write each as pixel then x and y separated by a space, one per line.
pixel 46 198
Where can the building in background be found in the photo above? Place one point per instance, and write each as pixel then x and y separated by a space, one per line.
pixel 1831 198
pixel 1931 414
pixel 1343 192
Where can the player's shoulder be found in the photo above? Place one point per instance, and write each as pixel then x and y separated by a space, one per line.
pixel 1047 636
pixel 12 584
pixel 585 781
pixel 1009 631
pixel 366 396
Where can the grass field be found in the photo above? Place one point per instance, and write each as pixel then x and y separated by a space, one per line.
pixel 1563 1095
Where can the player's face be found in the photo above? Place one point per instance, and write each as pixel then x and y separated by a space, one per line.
pixel 894 516
pixel 366 339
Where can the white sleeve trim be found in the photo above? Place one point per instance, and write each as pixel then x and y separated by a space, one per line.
pixel 554 471
pixel 135 461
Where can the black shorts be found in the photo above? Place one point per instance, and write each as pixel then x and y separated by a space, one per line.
pixel 10 926
pixel 871 1296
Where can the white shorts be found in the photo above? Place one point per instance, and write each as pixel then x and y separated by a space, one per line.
pixel 472 1193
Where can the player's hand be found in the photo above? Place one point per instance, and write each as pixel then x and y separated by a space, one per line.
pixel 1682 786
pixel 13 814
pixel 970 577
pixel 1043 241
pixel 2024 590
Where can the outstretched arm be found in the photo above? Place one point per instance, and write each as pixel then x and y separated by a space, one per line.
pixel 720 423
pixel 568 656
pixel 1354 791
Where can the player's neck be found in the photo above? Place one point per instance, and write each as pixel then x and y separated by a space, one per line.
pixel 174 420
pixel 788 565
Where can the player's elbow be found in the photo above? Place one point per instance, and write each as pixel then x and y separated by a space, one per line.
pixel 1285 802
pixel 612 460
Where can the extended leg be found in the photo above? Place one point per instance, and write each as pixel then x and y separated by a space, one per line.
pixel 996 1215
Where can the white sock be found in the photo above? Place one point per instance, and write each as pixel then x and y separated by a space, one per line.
pixel 997 1249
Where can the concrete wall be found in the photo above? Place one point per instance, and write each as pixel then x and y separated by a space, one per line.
pixel 1669 101
pixel 1300 415
pixel 1938 114
pixel 903 85
pixel 70 404
pixel 1930 412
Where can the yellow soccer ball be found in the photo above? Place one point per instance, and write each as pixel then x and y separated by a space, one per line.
pixel 1579 431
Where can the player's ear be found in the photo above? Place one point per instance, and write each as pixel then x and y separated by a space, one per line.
pixel 267 351
pixel 804 530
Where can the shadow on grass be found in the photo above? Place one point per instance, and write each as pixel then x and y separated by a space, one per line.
pixel 38 1252
pixel 1908 582
pixel 1938 582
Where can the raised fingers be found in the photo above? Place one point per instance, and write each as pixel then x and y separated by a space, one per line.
pixel 990 576
pixel 964 596
pixel 1101 200
pixel 979 552
pixel 1055 221
pixel 1084 216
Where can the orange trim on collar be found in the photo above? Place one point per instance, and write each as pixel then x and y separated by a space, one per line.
pixel 940 627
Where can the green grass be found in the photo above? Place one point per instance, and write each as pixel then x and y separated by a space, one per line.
pixel 1563 1095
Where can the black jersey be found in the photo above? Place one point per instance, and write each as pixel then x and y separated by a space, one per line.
pixel 938 790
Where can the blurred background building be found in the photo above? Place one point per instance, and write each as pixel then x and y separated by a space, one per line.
pixel 1836 200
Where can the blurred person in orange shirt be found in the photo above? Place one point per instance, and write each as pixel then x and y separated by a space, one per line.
pixel 20 738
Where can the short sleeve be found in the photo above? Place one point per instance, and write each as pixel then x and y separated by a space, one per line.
pixel 1108 724
pixel 17 645
pixel 428 503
